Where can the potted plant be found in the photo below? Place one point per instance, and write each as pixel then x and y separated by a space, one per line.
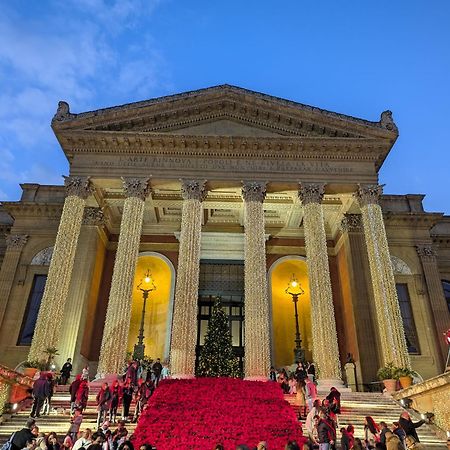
pixel 405 376
pixel 387 374
pixel 51 352
pixel 31 367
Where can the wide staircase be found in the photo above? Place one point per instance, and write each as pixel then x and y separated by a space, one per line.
pixel 59 419
pixel 355 406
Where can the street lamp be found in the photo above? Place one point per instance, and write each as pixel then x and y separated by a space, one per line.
pixel 146 286
pixel 295 290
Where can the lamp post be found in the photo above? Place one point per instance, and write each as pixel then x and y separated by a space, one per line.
pixel 146 285
pixel 295 290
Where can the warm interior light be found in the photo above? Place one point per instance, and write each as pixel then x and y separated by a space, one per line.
pixel 147 279
pixel 294 283
pixel 14 407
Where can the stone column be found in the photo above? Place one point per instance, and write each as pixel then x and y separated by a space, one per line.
pixel 438 304
pixel 14 246
pixel 389 319
pixel 117 323
pixel 184 323
pixel 257 336
pixel 51 311
pixel 325 344
pixel 81 286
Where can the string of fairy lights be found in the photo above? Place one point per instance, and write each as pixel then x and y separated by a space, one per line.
pixel 184 332
pixel 257 334
pixel 390 324
pixel 325 343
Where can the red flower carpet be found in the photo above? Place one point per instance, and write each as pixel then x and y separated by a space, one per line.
pixel 202 412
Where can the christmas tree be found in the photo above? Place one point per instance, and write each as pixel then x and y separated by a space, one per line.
pixel 217 358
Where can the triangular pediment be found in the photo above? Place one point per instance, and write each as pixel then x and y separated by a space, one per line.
pixel 224 111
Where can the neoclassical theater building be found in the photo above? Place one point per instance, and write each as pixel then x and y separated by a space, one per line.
pixel 232 193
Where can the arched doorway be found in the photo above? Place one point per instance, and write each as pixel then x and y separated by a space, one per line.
pixel 158 314
pixel 282 310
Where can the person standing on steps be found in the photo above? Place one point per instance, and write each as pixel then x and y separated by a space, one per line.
pixel 408 426
pixel 41 390
pixel 73 388
pixel 65 371
pixel 103 401
pixel 157 368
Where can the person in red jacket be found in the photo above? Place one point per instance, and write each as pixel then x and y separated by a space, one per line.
pixel 116 399
pixel 103 402
pixel 82 396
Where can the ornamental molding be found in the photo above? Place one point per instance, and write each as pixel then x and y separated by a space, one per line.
pixel 311 192
pixel 193 190
pixel 136 187
pixel 43 257
pixel 426 251
pixel 31 209
pixel 93 216
pixel 16 241
pixel 351 223
pixel 254 191
pixel 78 186
pixel 369 194
pixel 399 266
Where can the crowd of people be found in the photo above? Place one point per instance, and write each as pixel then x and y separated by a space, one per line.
pixel 320 418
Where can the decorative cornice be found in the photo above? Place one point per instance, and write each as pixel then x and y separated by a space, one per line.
pixel 63 112
pixel 193 190
pixel 311 192
pixel 31 209
pixel 136 187
pixel 93 216
pixel 369 194
pixel 254 191
pixel 351 223
pixel 426 251
pixel 78 186
pixel 16 241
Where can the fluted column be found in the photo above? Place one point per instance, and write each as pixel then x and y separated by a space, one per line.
pixel 117 323
pixel 389 319
pixel 14 246
pixel 51 311
pixel 438 304
pixel 325 344
pixel 257 337
pixel 184 323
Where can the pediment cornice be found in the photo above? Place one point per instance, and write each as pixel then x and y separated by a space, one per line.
pixel 179 111
pixel 31 209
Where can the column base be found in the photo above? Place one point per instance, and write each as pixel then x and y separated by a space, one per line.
pixel 324 386
pixel 183 376
pixel 256 378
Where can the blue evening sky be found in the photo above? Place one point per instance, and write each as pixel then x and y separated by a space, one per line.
pixel 353 57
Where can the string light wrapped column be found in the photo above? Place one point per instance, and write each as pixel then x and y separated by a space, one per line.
pixel 184 328
pixel 14 245
pixel 118 314
pixel 390 324
pixel 51 311
pixel 257 337
pixel 325 343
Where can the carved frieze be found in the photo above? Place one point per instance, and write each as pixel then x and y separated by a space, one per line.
pixel 254 191
pixel 93 216
pixel 311 192
pixel 78 186
pixel 368 194
pixel 399 266
pixel 426 252
pixel 351 223
pixel 193 189
pixel 16 241
pixel 136 187
pixel 43 257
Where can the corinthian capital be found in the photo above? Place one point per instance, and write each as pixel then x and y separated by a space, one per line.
pixel 311 192
pixel 254 191
pixel 368 194
pixel 16 241
pixel 193 190
pixel 136 187
pixel 93 216
pixel 351 222
pixel 426 251
pixel 78 186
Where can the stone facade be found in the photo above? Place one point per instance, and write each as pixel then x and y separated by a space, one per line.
pixel 222 137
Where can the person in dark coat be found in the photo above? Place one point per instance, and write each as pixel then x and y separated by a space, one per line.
pixel 334 397
pixel 157 368
pixel 345 440
pixel 65 371
pixel 103 401
pixel 127 397
pixel 41 390
pixel 20 438
pixel 325 431
pixel 73 392
pixel 300 372
pixel 408 426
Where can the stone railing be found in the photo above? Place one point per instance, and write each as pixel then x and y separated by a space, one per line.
pixel 14 387
pixel 432 396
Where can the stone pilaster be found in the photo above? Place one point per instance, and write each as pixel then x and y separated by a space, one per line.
pixel 51 312
pixel 257 336
pixel 184 324
pixel 438 304
pixel 325 344
pixel 389 320
pixel 14 246
pixel 89 254
pixel 118 313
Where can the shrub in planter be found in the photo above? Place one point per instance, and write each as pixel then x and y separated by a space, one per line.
pixel 405 376
pixel 388 375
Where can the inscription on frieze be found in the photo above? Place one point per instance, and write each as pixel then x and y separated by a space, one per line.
pixel 216 164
